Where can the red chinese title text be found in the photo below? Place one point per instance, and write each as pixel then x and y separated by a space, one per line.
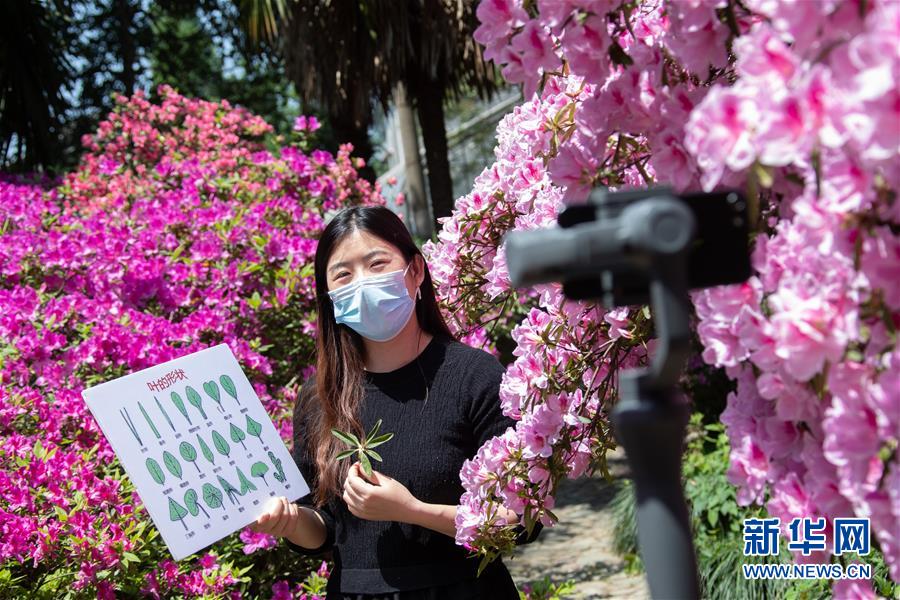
pixel 166 380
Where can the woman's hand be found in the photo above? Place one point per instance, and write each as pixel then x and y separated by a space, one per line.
pixel 384 500
pixel 280 518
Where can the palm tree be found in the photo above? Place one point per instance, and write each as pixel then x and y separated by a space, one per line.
pixel 346 54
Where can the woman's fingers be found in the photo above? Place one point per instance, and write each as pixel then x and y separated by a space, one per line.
pixel 351 496
pixel 279 523
pixel 268 520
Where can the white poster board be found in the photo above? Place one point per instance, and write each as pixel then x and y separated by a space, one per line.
pixel 198 445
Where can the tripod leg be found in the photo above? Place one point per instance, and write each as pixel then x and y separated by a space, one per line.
pixel 651 428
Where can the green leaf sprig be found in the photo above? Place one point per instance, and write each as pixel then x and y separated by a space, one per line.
pixel 363 449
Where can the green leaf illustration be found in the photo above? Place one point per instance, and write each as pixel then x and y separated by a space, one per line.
pixel 172 464
pixel 177 512
pixel 220 443
pixel 254 428
pixel 237 436
pixel 212 496
pixel 190 500
pixel 149 421
pixel 229 489
pixel 179 404
pixel 195 399
pixel 165 414
pixel 228 386
pixel 204 447
pixel 246 486
pixel 188 453
pixel 156 471
pixel 212 390
pixel 259 469
pixel 279 472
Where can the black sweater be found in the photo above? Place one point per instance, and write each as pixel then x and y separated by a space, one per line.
pixel 431 441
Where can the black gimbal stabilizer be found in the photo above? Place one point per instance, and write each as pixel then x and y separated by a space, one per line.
pixel 646 247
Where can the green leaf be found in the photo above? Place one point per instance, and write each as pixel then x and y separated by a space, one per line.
pixel 246 485
pixel 365 464
pixel 254 301
pixel 176 511
pixel 237 436
pixel 187 452
pixel 345 454
pixel 259 469
pixel 763 174
pixel 254 428
pixel 380 440
pixel 228 488
pixel 374 431
pixel 60 513
pixel 172 464
pixel 190 499
pixel 194 398
pixel 130 557
pixel 228 386
pixel 373 454
pixel 212 390
pixel 204 447
pixel 347 438
pixel 156 471
pixel 179 404
pixel 220 443
pixel 212 496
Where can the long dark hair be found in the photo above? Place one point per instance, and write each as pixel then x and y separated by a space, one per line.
pixel 340 349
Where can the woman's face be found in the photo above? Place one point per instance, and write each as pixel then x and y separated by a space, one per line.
pixel 361 254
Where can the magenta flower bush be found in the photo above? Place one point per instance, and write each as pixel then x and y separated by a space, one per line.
pixel 186 225
pixel 796 102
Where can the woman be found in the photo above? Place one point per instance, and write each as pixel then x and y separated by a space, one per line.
pixel 385 352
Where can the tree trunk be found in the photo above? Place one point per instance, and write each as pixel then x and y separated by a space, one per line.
pixel 430 108
pixel 124 13
pixel 347 129
pixel 412 167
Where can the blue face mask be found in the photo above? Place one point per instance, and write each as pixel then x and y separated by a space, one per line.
pixel 376 307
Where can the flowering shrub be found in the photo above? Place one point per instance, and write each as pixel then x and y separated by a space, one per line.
pixel 178 231
pixel 797 102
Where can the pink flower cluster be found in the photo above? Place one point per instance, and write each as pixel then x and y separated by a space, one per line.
pixel 807 117
pixel 208 578
pixel 177 231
